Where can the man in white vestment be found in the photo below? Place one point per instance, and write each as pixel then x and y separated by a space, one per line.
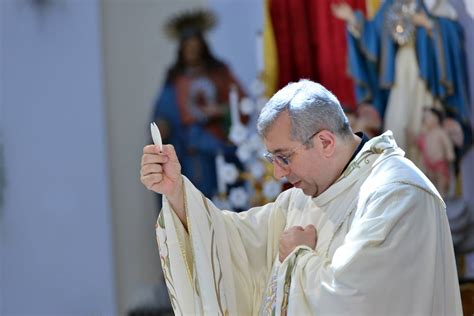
pixel 363 231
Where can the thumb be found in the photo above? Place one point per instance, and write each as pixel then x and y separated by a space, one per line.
pixel 310 228
pixel 310 232
pixel 169 151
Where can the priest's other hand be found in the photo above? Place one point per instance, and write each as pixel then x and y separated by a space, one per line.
pixel 296 236
pixel 161 171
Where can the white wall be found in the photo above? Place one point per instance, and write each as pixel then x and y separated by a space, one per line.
pixel 56 242
pixel 234 38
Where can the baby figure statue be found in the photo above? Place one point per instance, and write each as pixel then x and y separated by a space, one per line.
pixel 436 149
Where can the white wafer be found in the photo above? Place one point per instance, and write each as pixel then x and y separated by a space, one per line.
pixel 156 135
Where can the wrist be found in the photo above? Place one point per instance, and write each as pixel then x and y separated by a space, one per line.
pixel 176 195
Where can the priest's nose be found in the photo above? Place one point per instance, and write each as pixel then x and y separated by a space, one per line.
pixel 279 171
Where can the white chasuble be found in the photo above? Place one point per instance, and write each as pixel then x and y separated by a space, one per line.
pixel 384 248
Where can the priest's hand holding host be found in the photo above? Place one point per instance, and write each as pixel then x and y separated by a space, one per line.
pixel 161 172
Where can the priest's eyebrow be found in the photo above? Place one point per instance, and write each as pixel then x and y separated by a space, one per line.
pixel 278 151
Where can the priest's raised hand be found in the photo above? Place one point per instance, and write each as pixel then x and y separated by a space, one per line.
pixel 161 172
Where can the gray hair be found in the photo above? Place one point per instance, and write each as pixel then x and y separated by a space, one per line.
pixel 311 108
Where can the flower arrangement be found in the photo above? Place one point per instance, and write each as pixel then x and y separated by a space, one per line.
pixel 254 185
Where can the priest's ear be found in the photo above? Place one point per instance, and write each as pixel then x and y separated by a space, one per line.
pixel 327 142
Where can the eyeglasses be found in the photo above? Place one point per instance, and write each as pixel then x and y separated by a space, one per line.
pixel 284 160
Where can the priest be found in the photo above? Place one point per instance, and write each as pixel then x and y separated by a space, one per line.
pixel 362 231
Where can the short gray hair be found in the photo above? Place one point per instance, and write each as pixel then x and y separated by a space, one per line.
pixel 311 108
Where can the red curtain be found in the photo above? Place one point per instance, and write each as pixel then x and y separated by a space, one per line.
pixel 311 44
pixel 293 42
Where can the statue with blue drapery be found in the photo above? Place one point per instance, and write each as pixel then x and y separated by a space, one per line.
pixel 408 56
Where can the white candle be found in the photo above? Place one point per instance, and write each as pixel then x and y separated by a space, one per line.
pixel 259 46
pixel 221 187
pixel 234 107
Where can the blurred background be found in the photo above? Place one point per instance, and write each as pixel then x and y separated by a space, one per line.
pixel 79 80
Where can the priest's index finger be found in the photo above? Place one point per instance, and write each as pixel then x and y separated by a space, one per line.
pixel 150 149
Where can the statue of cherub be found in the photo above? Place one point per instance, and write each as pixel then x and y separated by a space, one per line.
pixel 437 150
